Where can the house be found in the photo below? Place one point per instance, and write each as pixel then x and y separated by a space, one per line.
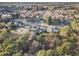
pixel 41 30
pixel 4 16
pixel 22 30
pixel 5 20
pixel 51 28
pixel 55 28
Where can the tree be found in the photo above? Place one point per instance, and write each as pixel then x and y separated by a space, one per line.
pixel 64 31
pixel 58 51
pixel 50 21
pixel 18 54
pixel 4 35
pixel 9 47
pixel 68 48
pixel 49 52
pixel 73 25
pixel 41 53
pixel 42 37
pixel 23 43
pixel 4 53
pixel 47 16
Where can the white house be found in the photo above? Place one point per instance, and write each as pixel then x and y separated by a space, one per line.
pixel 6 16
pixel 22 30
pixel 51 28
